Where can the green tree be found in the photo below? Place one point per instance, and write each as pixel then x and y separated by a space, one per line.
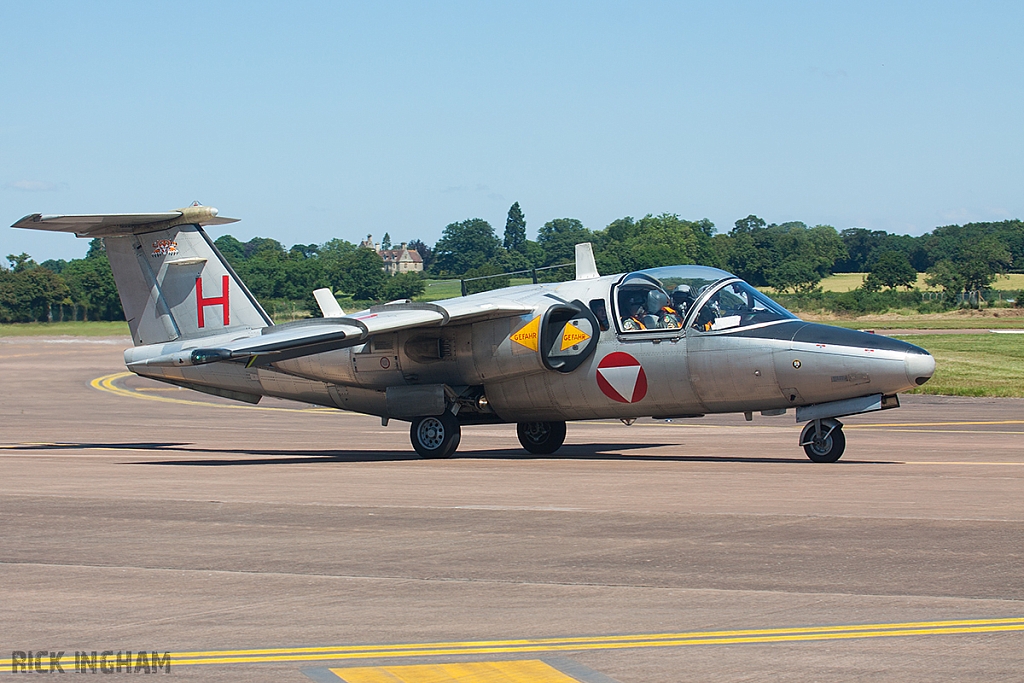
pixel 55 265
pixel 891 269
pixel 970 256
pixel 361 275
pixel 233 249
pixel 559 237
pixel 404 286
pixel 946 277
pixel 748 225
pixel 863 248
pixel 304 250
pixel 21 262
pixel 515 230
pixel 29 292
pixel 262 245
pixel 91 285
pixel 666 240
pixel 983 261
pixel 787 256
pixel 652 241
pixel 468 244
pixel 385 243
pixel 335 249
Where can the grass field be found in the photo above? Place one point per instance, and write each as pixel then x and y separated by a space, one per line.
pixel 449 289
pixel 845 282
pixel 75 329
pixel 961 319
pixel 974 364
pixel 440 289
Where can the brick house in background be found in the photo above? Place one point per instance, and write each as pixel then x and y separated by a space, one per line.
pixel 401 260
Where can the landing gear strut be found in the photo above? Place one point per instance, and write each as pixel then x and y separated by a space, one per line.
pixel 541 438
pixel 823 440
pixel 436 436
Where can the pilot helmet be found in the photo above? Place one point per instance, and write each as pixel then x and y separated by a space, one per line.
pixel 681 296
pixel 656 300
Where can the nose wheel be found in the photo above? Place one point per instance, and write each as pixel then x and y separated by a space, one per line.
pixel 436 436
pixel 541 438
pixel 823 440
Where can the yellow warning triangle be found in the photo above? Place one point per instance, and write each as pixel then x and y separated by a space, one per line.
pixel 573 335
pixel 528 335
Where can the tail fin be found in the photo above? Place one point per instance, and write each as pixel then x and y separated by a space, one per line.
pixel 173 282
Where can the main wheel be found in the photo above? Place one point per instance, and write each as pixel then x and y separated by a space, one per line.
pixel 828 447
pixel 436 436
pixel 541 438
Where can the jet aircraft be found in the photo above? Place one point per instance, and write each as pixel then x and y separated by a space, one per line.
pixel 672 342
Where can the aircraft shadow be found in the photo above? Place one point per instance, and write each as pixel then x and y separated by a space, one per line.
pixel 582 452
pixel 67 446
pixel 266 456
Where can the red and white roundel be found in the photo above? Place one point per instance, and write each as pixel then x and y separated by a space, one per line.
pixel 621 378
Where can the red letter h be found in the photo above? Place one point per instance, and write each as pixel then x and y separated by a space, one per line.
pixel 221 300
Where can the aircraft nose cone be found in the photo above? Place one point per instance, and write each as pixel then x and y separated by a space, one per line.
pixel 920 367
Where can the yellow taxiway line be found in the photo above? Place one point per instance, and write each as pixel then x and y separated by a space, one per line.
pixel 649 640
pixel 937 424
pixel 108 384
pixel 516 671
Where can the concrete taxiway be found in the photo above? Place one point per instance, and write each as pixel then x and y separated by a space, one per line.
pixel 283 542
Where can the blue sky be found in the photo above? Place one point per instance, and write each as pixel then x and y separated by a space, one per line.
pixel 318 120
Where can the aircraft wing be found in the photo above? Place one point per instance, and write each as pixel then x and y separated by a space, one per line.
pixel 307 337
pixel 114 224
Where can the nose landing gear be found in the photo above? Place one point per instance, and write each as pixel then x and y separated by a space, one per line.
pixel 823 440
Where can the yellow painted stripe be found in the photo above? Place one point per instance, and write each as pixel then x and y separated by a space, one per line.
pixel 485 647
pixel 937 424
pixel 960 462
pixel 160 389
pixel 975 432
pixel 695 422
pixel 108 384
pixel 519 671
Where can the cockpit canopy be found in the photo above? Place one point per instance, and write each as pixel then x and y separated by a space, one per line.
pixel 705 299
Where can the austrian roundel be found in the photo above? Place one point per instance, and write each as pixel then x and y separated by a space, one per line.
pixel 621 378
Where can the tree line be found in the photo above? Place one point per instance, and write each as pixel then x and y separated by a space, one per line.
pixel 788 257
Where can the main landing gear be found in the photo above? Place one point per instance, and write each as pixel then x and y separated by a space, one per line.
pixel 436 436
pixel 823 440
pixel 541 438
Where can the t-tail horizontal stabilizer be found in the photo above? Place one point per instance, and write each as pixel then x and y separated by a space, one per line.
pixel 173 282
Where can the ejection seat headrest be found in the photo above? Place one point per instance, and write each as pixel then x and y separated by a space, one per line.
pixel 656 300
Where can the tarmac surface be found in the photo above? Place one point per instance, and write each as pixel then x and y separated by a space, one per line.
pixel 288 543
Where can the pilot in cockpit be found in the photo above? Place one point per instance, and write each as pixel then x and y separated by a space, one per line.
pixel 661 315
pixel 633 318
pixel 682 298
pixel 649 310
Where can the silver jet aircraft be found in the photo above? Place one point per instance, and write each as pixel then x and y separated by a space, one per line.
pixel 672 342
